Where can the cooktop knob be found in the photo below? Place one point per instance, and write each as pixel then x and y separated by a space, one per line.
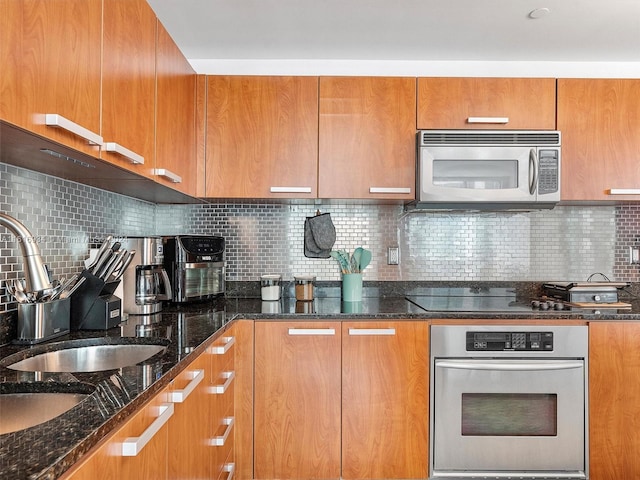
pixel 597 298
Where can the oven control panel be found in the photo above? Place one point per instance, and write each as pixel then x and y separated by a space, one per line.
pixel 501 341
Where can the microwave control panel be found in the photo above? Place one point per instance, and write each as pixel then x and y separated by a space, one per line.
pixel 509 341
pixel 548 171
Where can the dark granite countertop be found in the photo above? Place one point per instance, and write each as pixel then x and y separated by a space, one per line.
pixel 47 450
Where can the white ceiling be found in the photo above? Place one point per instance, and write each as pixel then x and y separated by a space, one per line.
pixel 215 34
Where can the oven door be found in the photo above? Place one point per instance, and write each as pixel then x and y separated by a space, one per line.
pixel 509 416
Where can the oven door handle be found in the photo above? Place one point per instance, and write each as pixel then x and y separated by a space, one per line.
pixel 509 366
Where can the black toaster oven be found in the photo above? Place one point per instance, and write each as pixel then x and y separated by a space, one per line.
pixel 196 266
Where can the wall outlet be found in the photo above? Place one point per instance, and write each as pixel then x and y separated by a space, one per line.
pixel 634 255
pixel 393 256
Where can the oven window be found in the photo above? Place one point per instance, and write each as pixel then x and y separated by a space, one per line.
pixel 509 414
pixel 476 174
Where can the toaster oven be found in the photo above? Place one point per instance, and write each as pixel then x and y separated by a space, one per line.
pixel 196 266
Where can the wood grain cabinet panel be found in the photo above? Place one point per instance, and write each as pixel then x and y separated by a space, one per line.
pixel 175 116
pixel 385 400
pixel 614 400
pixel 452 103
pixel 367 138
pixel 297 400
pixel 129 82
pixel 599 120
pixel 262 137
pixel 50 54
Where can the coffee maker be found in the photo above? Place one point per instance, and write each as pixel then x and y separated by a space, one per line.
pixel 145 283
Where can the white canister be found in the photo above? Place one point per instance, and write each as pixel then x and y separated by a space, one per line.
pixel 270 288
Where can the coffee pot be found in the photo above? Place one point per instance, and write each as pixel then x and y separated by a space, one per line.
pixel 145 283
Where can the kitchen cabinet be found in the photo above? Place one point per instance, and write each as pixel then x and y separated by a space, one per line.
pixel 599 120
pixel 137 450
pixel 129 85
pixel 176 164
pixel 489 103
pixel 262 137
pixel 385 399
pixel 50 54
pixel 367 138
pixel 297 400
pixel 614 400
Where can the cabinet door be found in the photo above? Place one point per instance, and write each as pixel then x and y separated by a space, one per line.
pixel 262 137
pixel 297 400
pixel 385 399
pixel 599 120
pixel 144 461
pixel 129 83
pixel 490 103
pixel 614 400
pixel 175 117
pixel 367 138
pixel 50 56
pixel 190 428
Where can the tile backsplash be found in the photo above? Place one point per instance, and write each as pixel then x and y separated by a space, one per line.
pixel 566 243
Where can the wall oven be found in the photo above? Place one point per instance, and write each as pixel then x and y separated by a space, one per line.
pixel 509 402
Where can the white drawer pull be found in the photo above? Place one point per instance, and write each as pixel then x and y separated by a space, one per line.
pixel 222 349
pixel 390 190
pixel 220 440
pixel 312 331
pixel 168 174
pixel 624 191
pixel 219 389
pixel 55 120
pixel 132 156
pixel 502 120
pixel 372 331
pixel 290 189
pixel 229 468
pixel 179 396
pixel 134 445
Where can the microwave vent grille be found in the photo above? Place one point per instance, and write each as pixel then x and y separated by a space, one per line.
pixel 488 137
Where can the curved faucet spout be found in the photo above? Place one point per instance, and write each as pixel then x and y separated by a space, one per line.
pixel 35 272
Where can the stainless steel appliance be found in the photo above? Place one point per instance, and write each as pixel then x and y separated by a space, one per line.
pixel 509 402
pixel 488 169
pixel 196 266
pixel 145 283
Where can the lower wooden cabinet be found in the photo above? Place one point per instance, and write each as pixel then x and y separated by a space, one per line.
pixel 614 400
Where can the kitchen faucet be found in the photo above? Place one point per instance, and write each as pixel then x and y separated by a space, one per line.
pixel 36 277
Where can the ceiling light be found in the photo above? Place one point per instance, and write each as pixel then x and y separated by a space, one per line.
pixel 539 13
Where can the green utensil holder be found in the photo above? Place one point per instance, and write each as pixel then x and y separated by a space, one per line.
pixel 352 287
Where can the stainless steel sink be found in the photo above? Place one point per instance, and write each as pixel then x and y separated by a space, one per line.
pixel 77 356
pixel 22 407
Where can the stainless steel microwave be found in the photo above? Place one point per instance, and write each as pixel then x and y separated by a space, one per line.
pixel 488 169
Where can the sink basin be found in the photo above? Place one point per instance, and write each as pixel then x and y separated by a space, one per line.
pixel 92 355
pixel 25 405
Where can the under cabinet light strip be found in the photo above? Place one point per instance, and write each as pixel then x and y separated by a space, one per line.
pixel 55 120
pixel 125 152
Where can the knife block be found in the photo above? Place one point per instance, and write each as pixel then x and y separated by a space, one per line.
pixel 93 304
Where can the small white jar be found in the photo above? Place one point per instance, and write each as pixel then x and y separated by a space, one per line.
pixel 270 288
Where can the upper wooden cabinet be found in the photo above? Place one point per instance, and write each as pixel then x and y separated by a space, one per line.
pixel 50 54
pixel 176 163
pixel 367 138
pixel 489 103
pixel 600 124
pixel 129 83
pixel 262 137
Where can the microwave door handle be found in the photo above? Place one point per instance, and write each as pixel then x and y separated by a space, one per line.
pixel 533 171
pixel 508 366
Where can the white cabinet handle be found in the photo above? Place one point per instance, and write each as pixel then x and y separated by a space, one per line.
pixel 219 389
pixel 624 191
pixel 179 396
pixel 502 120
pixel 134 445
pixel 55 120
pixel 372 331
pixel 168 174
pixel 290 189
pixel 220 440
pixel 229 468
pixel 222 349
pixel 389 190
pixel 312 331
pixel 133 157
